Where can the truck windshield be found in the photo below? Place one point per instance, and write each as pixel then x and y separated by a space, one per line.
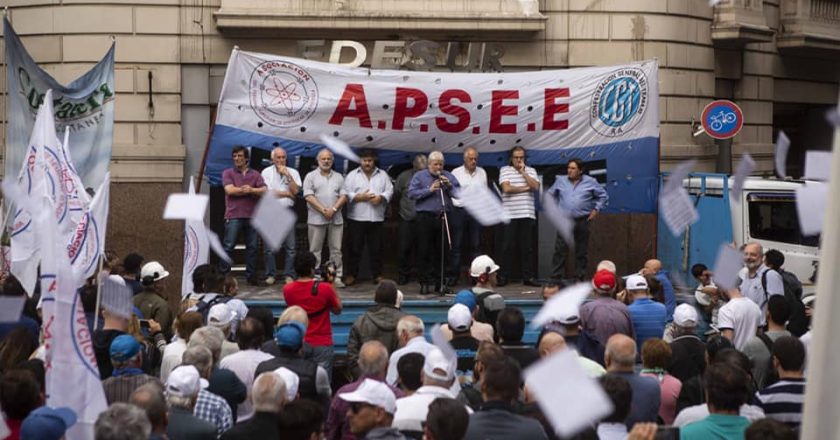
pixel 773 217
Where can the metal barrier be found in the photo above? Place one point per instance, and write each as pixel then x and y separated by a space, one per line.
pixel 430 311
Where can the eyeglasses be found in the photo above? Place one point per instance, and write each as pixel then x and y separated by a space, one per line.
pixel 519 157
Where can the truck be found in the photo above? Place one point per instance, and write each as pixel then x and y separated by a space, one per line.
pixel 764 212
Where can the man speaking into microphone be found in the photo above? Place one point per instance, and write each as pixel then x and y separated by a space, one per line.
pixel 432 191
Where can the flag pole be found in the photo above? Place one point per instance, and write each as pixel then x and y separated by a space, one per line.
pixel 98 292
pixel 819 419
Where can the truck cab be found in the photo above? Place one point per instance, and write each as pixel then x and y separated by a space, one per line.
pixel 765 212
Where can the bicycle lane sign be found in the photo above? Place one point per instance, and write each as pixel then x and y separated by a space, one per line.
pixel 722 119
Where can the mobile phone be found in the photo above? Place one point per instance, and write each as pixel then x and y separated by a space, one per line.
pixel 144 323
pixel 667 433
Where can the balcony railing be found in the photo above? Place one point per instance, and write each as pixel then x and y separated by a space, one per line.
pixel 809 26
pixel 737 22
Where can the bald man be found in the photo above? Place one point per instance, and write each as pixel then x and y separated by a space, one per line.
pixel 620 357
pixel 553 342
pixel 464 227
pixel 284 183
pixel 654 267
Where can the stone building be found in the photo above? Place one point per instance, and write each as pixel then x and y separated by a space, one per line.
pixel 778 59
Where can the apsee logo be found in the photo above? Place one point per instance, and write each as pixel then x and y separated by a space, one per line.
pixel 619 102
pixel 283 94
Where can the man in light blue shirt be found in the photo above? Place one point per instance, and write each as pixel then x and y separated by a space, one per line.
pixel 583 198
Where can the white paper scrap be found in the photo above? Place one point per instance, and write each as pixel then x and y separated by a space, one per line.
pixel 216 246
pixel 727 264
pixel 558 380
pixel 560 218
pixel 273 220
pixel 675 179
pixel 782 147
pixel 486 208
pixel 564 303
pixel 818 165
pixel 745 168
pixel 833 116
pixel 439 340
pixel 810 205
pixel 183 206
pixel 340 148
pixel 677 210
pixel 10 308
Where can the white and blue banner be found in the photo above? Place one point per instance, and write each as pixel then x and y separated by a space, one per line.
pixel 85 108
pixel 608 115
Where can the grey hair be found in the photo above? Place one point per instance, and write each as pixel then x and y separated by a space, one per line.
pixel 199 357
pixel 275 149
pixel 468 149
pixel 420 162
pixel 210 337
pixel 122 421
pixel 410 324
pixel 324 150
pixel 436 155
pixel 149 397
pixel 373 359
pixel 268 393
pixel 755 243
pixel 182 402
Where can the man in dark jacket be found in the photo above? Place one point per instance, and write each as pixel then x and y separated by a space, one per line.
pixel 268 396
pixel 289 337
pixel 688 358
pixel 378 323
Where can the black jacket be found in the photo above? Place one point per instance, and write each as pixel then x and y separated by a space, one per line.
pixel 304 368
pixel 262 426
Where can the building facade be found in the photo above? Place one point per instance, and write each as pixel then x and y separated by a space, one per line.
pixel 778 59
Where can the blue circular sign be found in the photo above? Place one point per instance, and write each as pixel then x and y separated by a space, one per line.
pixel 620 101
pixel 722 119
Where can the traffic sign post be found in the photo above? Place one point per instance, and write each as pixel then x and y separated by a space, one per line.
pixel 722 119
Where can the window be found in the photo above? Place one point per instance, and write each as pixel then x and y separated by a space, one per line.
pixel 773 217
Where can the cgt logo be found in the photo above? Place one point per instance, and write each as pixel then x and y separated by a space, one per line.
pixel 619 102
pixel 282 94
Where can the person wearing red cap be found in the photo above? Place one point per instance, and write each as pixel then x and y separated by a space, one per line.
pixel 605 316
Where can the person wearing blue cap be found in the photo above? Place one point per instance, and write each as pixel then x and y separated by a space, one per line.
pixel 314 382
pixel 481 331
pixel 127 358
pixel 47 423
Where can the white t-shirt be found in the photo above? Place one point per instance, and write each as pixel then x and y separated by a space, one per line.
pixel 465 179
pixel 743 317
pixel 243 364
pixel 752 288
pixel 278 182
pixel 520 205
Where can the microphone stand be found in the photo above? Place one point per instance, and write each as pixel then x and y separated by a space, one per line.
pixel 444 226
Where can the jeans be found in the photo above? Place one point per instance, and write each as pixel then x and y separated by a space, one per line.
pixel 232 229
pixel 361 233
pixel 333 234
pixel 561 249
pixel 323 355
pixel 289 262
pixel 464 228
pixel 519 233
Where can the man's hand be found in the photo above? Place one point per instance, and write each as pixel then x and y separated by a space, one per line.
pixel 375 199
pixel 435 186
pixel 592 215
pixel 328 213
pixel 519 166
pixel 643 431
pixel 362 196
pixel 246 189
pixel 154 326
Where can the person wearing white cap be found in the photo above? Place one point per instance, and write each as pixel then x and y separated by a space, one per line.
pixel 182 387
pixel 222 316
pixel 209 405
pixel 152 301
pixel 648 316
pixel 371 412
pixel 437 375
pixel 485 271
pixel 460 321
pixel 688 352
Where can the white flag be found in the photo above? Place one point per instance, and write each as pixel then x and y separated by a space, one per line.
pixel 72 375
pixel 196 248
pixel 64 187
pixel 88 241
pixel 25 242
pixel 483 206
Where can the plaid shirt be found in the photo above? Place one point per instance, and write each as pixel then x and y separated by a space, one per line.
pixel 119 389
pixel 214 409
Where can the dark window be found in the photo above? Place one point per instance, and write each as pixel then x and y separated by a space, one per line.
pixel 773 217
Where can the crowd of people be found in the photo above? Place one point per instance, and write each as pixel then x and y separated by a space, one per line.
pixel 433 221
pixel 728 365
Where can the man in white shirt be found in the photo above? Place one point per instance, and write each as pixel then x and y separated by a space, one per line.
pixel 519 182
pixel 322 192
pixel 244 363
pixel 464 226
pixel 284 183
pixel 368 190
pixel 751 286
pixel 739 319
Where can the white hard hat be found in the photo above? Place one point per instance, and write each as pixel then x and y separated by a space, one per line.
pixel 482 264
pixel 154 270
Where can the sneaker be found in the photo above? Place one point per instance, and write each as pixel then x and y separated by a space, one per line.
pixel 337 283
pixel 349 280
pixel 270 281
pixel 289 280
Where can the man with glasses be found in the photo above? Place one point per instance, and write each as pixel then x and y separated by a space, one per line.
pixel 322 192
pixel 284 183
pixel 519 183
pixel 372 408
pixel 243 189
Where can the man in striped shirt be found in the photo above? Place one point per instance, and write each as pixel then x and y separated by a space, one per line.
pixel 126 357
pixel 783 400
pixel 519 182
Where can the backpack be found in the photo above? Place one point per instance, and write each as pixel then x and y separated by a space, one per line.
pixel 798 321
pixel 772 376
pixel 203 306
pixel 489 305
